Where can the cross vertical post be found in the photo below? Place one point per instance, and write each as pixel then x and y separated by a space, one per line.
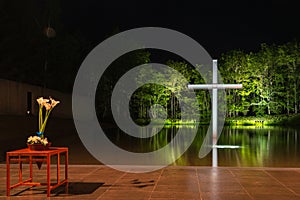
pixel 215 115
pixel 214 86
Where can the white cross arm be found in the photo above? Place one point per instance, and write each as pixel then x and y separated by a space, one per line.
pixel 215 86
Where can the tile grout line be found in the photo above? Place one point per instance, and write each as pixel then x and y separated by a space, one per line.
pixel 238 181
pixel 198 181
pixel 81 179
pixel 112 185
pixel 156 183
pixel 282 184
pixel 93 171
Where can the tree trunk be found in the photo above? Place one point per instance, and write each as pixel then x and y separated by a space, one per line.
pixel 295 98
pixel 287 105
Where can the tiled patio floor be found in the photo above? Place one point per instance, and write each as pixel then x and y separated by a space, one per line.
pixel 103 183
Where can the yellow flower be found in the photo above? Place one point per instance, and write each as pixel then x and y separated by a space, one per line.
pixel 37 140
pixel 29 139
pixel 47 106
pixel 44 141
pixel 53 102
pixel 40 100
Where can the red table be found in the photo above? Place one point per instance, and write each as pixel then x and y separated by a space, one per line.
pixel 26 155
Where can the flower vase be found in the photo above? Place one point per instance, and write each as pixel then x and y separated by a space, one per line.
pixel 38 147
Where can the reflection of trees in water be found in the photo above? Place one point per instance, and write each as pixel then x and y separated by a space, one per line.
pixel 259 147
pixel 268 146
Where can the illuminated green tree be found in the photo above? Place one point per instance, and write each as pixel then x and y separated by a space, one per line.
pixel 167 92
pixel 270 80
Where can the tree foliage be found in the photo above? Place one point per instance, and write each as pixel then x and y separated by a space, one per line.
pixel 270 80
pixel 168 92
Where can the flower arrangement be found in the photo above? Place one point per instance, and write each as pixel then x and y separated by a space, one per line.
pixel 37 140
pixel 47 105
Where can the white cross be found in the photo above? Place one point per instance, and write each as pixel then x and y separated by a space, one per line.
pixel 214 87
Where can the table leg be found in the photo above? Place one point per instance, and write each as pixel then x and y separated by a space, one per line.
pixel 20 170
pixel 7 175
pixel 48 176
pixel 58 168
pixel 30 168
pixel 66 170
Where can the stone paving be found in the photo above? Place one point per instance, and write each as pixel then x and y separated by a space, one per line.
pixel 100 182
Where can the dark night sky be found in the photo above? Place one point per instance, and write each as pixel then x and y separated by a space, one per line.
pixel 218 25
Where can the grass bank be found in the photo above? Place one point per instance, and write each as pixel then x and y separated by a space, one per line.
pixel 268 120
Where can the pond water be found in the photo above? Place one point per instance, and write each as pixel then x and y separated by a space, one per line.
pixel 253 146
